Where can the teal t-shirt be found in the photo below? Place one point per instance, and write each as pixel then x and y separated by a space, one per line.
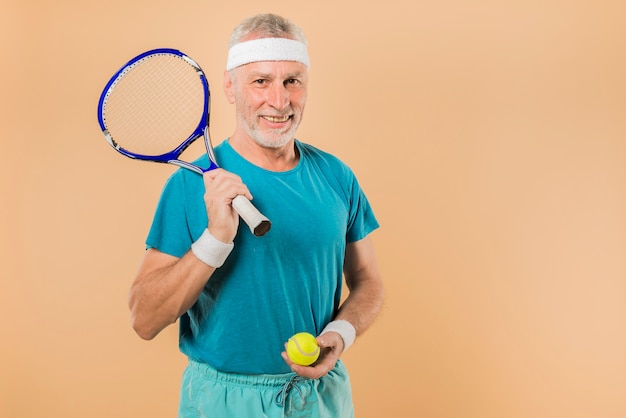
pixel 273 286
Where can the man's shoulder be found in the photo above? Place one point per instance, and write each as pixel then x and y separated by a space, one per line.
pixel 319 155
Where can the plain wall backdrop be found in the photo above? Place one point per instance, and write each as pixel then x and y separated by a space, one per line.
pixel 490 137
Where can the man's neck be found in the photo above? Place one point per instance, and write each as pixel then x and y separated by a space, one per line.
pixel 272 159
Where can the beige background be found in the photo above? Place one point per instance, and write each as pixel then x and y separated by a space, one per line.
pixel 490 137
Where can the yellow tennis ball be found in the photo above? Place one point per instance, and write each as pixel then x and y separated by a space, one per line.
pixel 302 349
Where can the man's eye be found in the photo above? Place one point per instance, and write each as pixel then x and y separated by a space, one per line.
pixel 291 81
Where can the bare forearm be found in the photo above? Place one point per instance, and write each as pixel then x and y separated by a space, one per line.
pixel 365 284
pixel 362 305
pixel 159 296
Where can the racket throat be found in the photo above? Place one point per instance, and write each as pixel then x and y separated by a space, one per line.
pixel 186 165
pixel 209 147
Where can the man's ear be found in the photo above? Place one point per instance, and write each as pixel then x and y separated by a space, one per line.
pixel 228 87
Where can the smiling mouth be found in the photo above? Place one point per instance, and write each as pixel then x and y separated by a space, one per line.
pixel 276 119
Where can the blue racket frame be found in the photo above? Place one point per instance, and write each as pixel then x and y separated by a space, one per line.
pixel 170 157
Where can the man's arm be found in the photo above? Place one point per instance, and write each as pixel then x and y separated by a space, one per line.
pixel 360 307
pixel 365 284
pixel 165 287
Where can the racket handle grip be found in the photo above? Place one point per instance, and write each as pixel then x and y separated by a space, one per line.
pixel 257 222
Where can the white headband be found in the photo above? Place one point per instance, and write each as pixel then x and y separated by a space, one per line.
pixel 267 49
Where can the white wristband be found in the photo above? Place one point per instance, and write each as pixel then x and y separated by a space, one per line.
pixel 343 328
pixel 211 251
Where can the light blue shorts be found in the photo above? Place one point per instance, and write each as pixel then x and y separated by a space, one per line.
pixel 206 392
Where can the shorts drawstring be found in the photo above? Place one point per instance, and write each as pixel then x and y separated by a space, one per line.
pixel 281 396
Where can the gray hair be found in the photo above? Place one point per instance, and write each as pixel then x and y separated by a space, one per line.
pixel 266 25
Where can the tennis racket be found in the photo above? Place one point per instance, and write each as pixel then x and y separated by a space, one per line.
pixel 157 105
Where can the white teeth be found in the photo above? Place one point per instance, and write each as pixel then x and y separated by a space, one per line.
pixel 276 119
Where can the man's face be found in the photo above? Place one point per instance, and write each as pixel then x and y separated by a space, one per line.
pixel 269 98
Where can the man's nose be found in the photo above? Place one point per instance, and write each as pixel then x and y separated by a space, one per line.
pixel 278 96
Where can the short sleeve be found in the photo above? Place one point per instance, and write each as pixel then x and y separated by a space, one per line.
pixel 179 217
pixel 362 220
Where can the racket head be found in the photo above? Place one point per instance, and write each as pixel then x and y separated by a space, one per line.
pixel 155 106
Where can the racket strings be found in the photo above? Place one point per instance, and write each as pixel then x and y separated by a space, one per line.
pixel 154 105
